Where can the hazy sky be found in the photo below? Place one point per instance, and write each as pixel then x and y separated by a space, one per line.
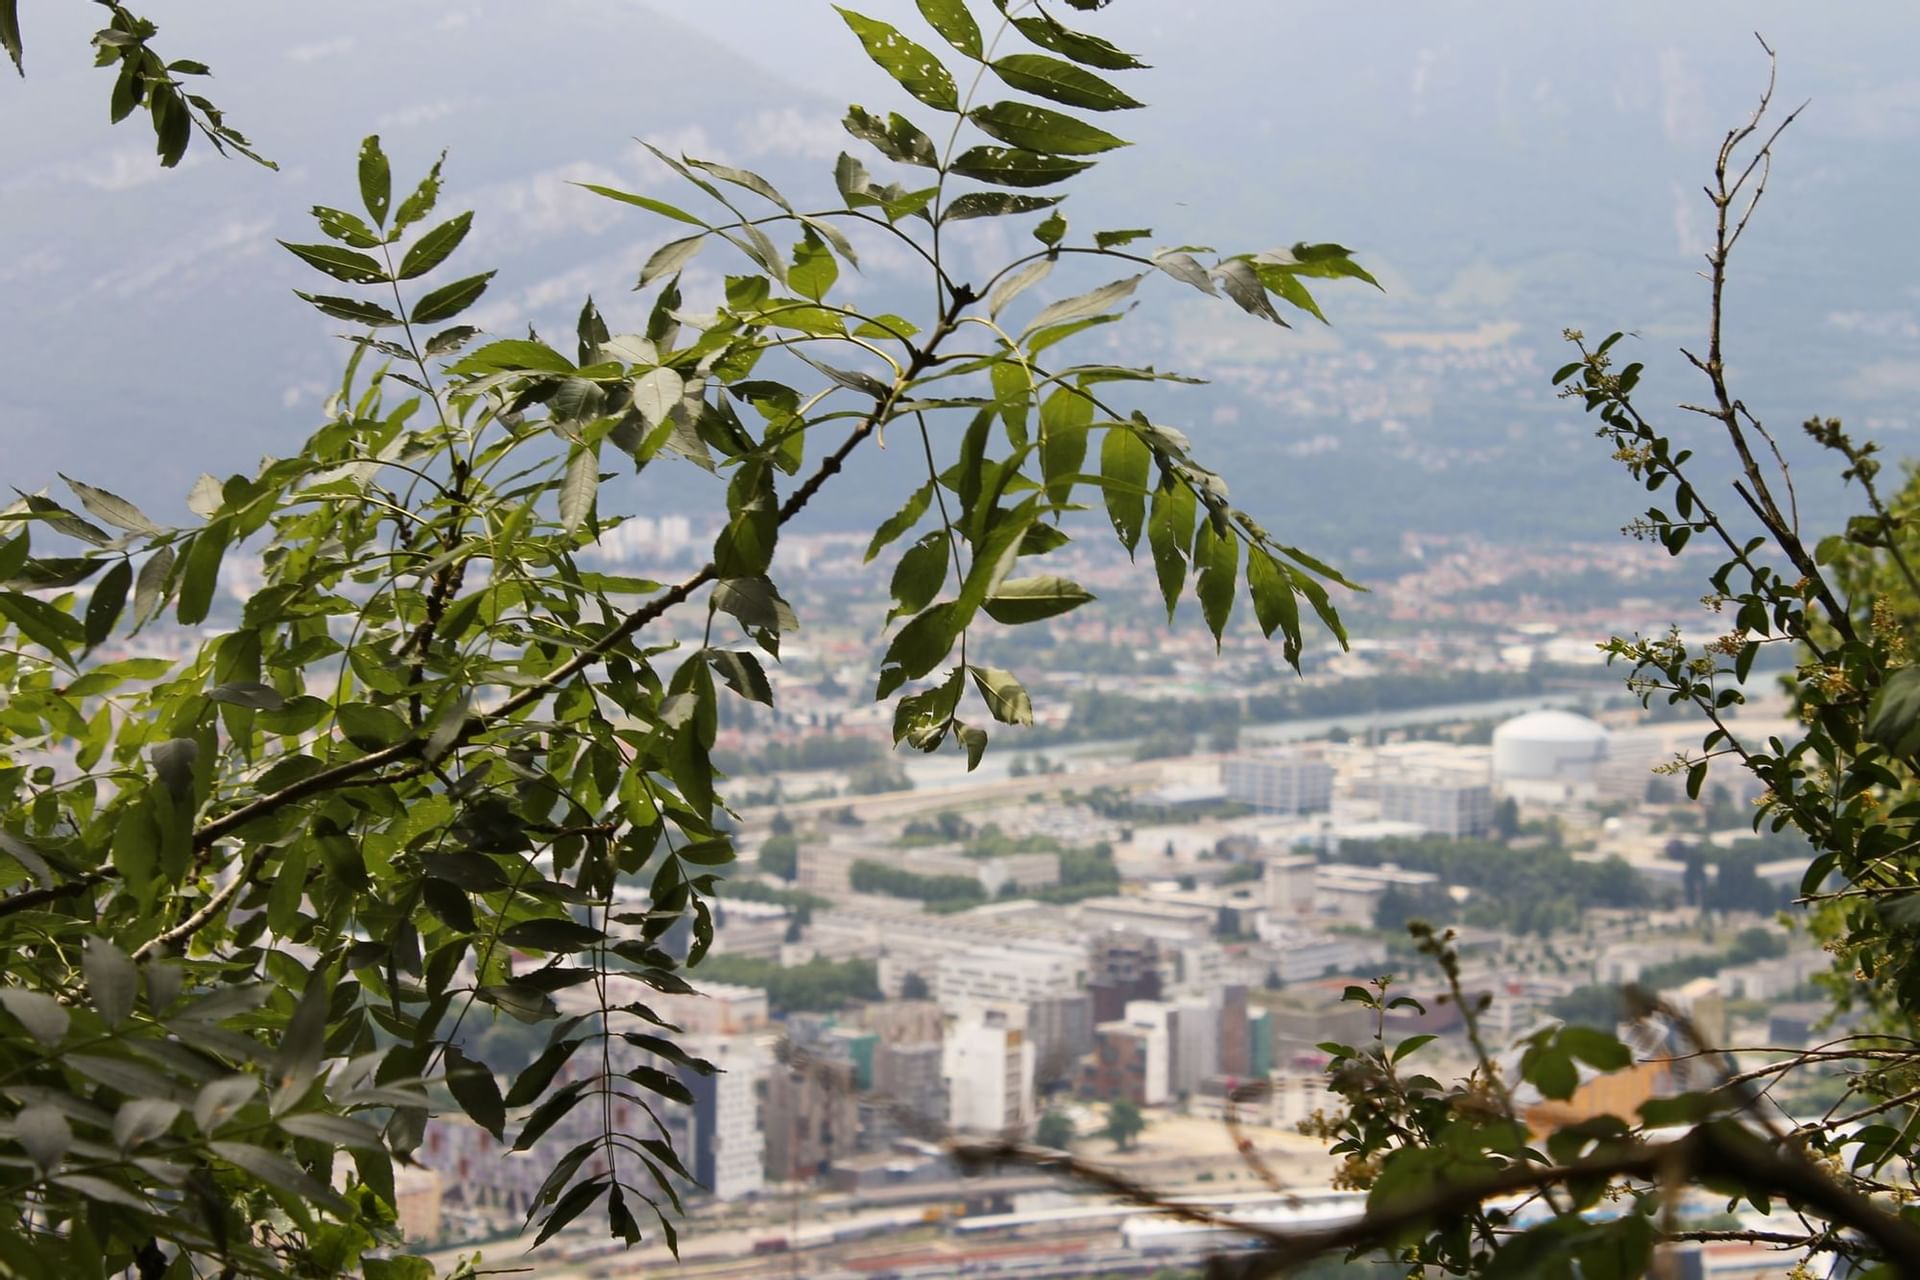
pixel 1536 162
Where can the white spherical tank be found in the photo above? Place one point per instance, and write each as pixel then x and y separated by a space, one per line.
pixel 1548 746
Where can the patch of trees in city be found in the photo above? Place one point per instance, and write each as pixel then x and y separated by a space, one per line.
pixel 939 893
pixel 1542 889
pixel 818 986
pixel 1603 1004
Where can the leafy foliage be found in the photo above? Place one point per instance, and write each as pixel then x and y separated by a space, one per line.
pixel 439 771
pixel 1496 1175
pixel 142 78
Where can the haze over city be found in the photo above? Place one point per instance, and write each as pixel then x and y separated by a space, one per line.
pixel 1042 845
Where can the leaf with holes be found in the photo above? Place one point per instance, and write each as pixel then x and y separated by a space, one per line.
pixel 1061 82
pixel 914 67
pixel 1022 124
pixel 1015 167
pixel 1019 600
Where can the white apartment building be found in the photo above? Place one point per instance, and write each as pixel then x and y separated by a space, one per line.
pixel 1349 893
pixel 1289 879
pixel 988 1064
pixel 726 1144
pixel 754 929
pixel 1165 921
pixel 1440 804
pixel 1289 782
pixel 1000 973
pixel 1296 954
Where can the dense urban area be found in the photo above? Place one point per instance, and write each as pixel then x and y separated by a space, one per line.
pixel 1128 934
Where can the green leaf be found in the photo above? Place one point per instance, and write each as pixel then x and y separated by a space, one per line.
pixel 419 204
pixel 1014 167
pixel 110 507
pixel 173 762
pixel 172 123
pixel 513 354
pixel 756 603
pixel 1243 285
pixel 1216 554
pixel 1124 459
pixel 143 1120
pixel 10 32
pixel 1052 229
pixel 1113 239
pixel 376 180
pixel 28 857
pixel 478 1094
pixel 1088 50
pixel 1597 1049
pixel 1006 697
pixel 282 1174
pixel 1061 82
pixel 134 1079
pixel 200 573
pixel 44 1134
pixel 36 1011
pixel 1087 304
pixel 220 1100
pixel 886 326
pixel 920 646
pixel 112 981
pixel 577 490
pixel 1553 1073
pixel 994 204
pixel 369 727
pixel 1169 533
pixel 669 258
pixel 43 624
pixel 108 598
pixel 335 1131
pixel 448 341
pixel 449 300
pixel 1411 1045
pixel 341 264
pixel 743 178
pixel 901 521
pixel 656 392
pixel 1186 269
pixel 1325 261
pixel 551 934
pixel 1064 419
pixel 914 67
pixel 648 203
pixel 813 270
pixel 433 248
pixel 248 693
pixel 572 1205
pixel 1021 124
pixel 152 579
pixel 351 309
pixel 896 137
pixel 1283 283
pixel 951 19
pixel 1271 586
pixel 1019 600
pixel 921 573
pixel 742 673
pixel 1893 720
pixel 1019 282
pixel 974 740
